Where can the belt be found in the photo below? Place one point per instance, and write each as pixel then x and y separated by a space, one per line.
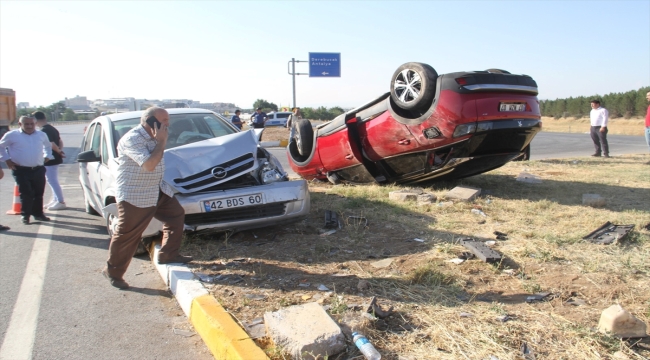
pixel 28 167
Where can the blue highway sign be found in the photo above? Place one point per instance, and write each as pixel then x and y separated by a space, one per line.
pixel 324 64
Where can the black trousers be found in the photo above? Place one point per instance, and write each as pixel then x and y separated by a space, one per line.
pixel 600 140
pixel 31 185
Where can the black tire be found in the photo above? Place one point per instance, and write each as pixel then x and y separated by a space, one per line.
pixel 413 86
pixel 497 71
pixel 303 136
pixel 89 209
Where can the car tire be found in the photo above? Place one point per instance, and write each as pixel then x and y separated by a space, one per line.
pixel 89 209
pixel 413 86
pixel 303 136
pixel 497 71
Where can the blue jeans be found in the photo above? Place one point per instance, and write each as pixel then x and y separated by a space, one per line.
pixel 647 136
pixel 52 177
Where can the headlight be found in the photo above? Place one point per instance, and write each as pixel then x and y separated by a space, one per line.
pixel 270 173
pixel 464 129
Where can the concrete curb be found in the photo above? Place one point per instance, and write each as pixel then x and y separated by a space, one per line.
pixel 219 331
pixel 281 143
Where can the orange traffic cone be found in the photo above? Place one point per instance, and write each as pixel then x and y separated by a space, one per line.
pixel 15 209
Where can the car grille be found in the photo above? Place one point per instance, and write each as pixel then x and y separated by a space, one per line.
pixel 236 214
pixel 225 170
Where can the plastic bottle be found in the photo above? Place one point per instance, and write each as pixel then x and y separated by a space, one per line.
pixel 366 348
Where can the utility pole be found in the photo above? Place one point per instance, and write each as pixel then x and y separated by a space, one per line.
pixel 292 72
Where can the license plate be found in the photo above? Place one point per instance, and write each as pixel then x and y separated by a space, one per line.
pixel 233 202
pixel 512 107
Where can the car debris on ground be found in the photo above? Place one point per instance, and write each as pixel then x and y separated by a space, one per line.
pixel 609 233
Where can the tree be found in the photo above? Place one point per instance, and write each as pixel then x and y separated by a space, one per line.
pixel 265 105
pixel 69 115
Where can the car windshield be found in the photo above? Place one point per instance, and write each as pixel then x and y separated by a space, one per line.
pixel 183 128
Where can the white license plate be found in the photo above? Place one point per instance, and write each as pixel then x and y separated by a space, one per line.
pixel 512 107
pixel 233 202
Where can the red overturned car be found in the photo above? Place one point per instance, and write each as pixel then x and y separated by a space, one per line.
pixel 428 126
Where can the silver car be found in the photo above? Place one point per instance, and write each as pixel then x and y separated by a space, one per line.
pixel 222 177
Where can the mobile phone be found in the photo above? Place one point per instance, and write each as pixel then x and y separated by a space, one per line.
pixel 151 120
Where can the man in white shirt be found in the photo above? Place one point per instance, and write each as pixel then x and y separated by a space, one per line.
pixel 25 150
pixel 599 118
pixel 141 195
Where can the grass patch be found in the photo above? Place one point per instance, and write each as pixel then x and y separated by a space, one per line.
pixel 544 252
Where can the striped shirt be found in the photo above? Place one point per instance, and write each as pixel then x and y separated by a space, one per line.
pixel 136 185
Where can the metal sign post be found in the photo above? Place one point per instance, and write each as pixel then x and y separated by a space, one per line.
pixel 292 72
pixel 320 65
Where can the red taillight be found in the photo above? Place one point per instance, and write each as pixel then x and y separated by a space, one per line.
pixel 461 81
pixel 528 107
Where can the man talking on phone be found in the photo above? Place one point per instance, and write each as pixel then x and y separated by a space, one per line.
pixel 142 195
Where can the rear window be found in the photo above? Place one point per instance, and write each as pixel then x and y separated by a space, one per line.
pixel 282 116
pixel 183 128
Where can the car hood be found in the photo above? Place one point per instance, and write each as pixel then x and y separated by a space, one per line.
pixel 200 165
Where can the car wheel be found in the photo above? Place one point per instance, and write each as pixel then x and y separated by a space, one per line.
pixel 303 136
pixel 497 71
pixel 111 223
pixel 413 86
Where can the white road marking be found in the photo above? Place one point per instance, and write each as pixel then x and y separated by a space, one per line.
pixel 19 338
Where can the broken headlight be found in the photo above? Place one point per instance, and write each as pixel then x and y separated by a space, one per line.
pixel 272 171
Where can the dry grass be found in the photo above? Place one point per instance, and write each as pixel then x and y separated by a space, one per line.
pixel 620 126
pixel 545 224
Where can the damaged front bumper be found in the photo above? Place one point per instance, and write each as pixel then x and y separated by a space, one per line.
pixel 232 210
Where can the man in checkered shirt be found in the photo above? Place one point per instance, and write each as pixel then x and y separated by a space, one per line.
pixel 142 195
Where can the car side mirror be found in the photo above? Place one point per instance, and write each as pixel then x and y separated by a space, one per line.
pixel 88 156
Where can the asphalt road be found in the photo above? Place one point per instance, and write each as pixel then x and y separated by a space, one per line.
pixel 55 304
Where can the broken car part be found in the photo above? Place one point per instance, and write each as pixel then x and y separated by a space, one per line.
pixel 608 233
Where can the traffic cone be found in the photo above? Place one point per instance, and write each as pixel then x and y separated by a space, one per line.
pixel 15 209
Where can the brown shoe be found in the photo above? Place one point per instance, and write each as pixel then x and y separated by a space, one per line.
pixel 176 259
pixel 595 155
pixel 606 155
pixel 118 283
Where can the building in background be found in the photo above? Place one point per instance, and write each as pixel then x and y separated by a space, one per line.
pixel 77 103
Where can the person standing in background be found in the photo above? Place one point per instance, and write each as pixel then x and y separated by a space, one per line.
pixel 647 122
pixel 259 118
pixel 52 166
pixel 293 117
pixel 599 118
pixel 25 150
pixel 236 120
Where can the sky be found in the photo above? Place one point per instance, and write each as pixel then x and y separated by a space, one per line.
pixel 238 51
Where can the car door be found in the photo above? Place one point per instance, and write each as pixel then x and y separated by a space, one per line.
pixel 106 179
pixel 92 168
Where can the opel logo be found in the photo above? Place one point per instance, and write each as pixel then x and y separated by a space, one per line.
pixel 219 172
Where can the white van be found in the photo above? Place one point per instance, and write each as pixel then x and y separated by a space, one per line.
pixel 277 118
